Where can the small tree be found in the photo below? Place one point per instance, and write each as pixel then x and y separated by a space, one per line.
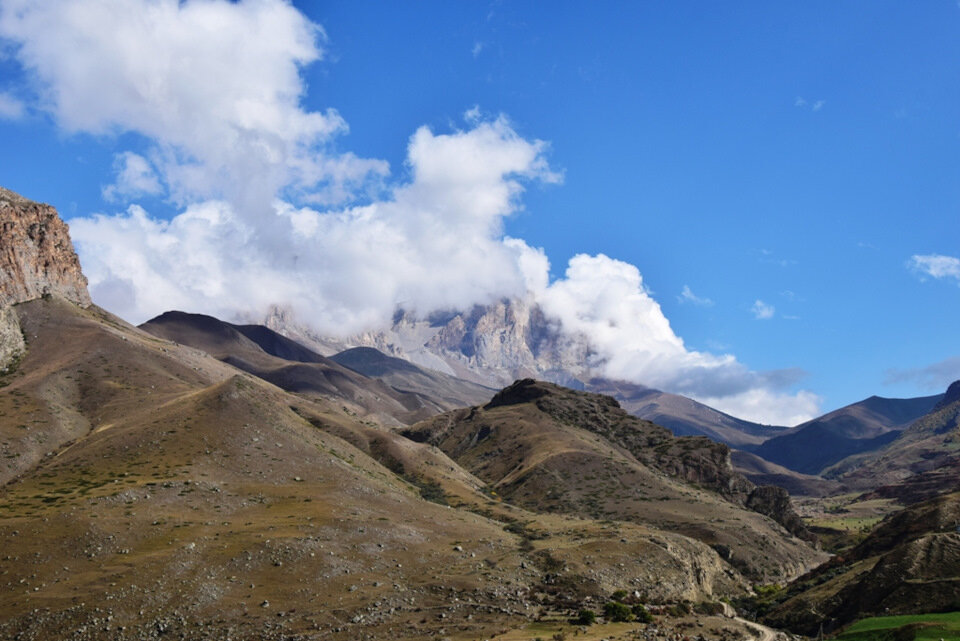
pixel 586 617
pixel 642 614
pixel 617 612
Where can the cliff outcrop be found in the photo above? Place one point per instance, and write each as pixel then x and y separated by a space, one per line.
pixel 36 255
pixel 36 259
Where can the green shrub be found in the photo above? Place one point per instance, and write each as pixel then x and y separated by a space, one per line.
pixel 642 614
pixel 586 617
pixel 710 608
pixel 617 612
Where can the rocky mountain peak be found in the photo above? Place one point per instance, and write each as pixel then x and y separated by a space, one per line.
pixel 36 255
pixel 521 391
pixel 951 397
pixel 492 344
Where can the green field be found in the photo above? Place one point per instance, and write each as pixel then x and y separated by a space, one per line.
pixel 920 627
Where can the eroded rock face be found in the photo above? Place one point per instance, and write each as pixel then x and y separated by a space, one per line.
pixel 11 339
pixel 492 345
pixel 775 502
pixel 36 258
pixel 36 255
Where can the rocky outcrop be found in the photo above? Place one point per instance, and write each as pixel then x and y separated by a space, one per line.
pixel 510 339
pixel 774 502
pixel 492 345
pixel 952 396
pixel 36 258
pixel 552 449
pixel 11 339
pixel 36 255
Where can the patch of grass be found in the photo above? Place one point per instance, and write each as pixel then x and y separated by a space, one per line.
pixel 846 524
pixel 910 627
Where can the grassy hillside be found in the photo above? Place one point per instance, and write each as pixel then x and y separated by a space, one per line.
pixel 447 391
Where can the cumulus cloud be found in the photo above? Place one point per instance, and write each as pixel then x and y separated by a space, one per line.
pixel 11 108
pixel 437 242
pixel 605 300
pixel 135 177
pixel 687 296
pixel 935 266
pixel 762 310
pixel 216 85
pixel 270 211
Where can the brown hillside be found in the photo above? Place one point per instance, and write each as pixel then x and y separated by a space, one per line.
pixel 548 448
pixel 309 374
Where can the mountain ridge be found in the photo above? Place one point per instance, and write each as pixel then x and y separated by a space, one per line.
pixel 863 426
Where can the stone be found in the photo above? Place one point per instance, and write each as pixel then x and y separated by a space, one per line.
pixel 36 255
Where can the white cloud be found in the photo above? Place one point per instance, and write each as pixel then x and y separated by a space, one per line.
pixel 11 108
pixel 687 296
pixel 762 310
pixel 436 242
pixel 215 84
pixel 803 103
pixel 935 266
pixel 477 49
pixel 135 177
pixel 605 300
pixel 761 406
pixel 768 256
pixel 269 209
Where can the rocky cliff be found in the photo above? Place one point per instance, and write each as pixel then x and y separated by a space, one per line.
pixel 36 259
pixel 492 345
pixel 36 255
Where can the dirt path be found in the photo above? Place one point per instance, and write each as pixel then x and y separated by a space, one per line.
pixel 763 632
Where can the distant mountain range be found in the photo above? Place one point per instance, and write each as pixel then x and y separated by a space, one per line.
pixel 861 427
pixel 926 454
pixel 685 416
pixel 511 339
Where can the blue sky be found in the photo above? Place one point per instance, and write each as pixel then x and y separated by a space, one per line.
pixel 782 163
